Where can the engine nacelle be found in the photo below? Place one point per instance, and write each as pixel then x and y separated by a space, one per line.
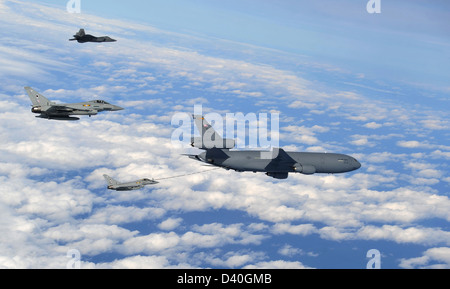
pixel 279 176
pixel 219 143
pixel 305 169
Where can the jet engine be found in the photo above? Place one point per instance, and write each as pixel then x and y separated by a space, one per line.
pixel 36 109
pixel 205 144
pixel 305 169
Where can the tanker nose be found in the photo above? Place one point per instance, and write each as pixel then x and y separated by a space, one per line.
pixel 356 164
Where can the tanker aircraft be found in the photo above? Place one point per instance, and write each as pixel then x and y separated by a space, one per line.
pixel 276 163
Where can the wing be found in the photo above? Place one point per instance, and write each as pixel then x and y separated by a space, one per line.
pixel 281 161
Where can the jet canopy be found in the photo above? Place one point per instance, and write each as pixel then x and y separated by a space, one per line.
pixel 101 102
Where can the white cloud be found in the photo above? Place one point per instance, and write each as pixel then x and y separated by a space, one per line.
pixel 303 230
pixel 302 104
pixel 170 224
pixel 121 215
pixel 408 235
pixel 373 125
pixel 433 258
pixel 361 140
pixel 151 243
pixel 279 264
pixel 440 154
pixel 384 157
pixel 440 151
pixel 302 134
pixel 136 262
pixel 235 259
pixel 436 124
pixel 206 236
pixel 411 144
pixel 290 251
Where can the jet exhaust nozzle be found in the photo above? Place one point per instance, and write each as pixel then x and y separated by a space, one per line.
pixel 36 110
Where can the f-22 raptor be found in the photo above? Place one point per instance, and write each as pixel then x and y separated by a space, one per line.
pixel 130 186
pixel 52 111
pixel 277 164
pixel 82 37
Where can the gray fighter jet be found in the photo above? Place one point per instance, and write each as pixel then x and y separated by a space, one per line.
pixel 218 152
pixel 136 185
pixel 82 37
pixel 50 110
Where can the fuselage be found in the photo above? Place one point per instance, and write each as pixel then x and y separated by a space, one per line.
pixel 95 105
pixel 90 38
pixel 84 108
pixel 294 162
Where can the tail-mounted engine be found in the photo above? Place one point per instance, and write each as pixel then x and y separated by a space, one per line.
pixel 219 143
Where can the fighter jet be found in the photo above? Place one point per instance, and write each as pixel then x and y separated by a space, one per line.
pixel 136 185
pixel 276 164
pixel 52 111
pixel 82 37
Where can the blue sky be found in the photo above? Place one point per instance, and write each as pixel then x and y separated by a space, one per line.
pixel 407 42
pixel 343 80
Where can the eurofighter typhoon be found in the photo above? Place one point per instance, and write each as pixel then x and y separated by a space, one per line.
pixel 130 186
pixel 277 164
pixel 52 111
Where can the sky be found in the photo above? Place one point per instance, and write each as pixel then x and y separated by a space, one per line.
pixel 342 80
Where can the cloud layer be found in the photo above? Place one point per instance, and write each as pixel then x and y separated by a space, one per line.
pixel 53 197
